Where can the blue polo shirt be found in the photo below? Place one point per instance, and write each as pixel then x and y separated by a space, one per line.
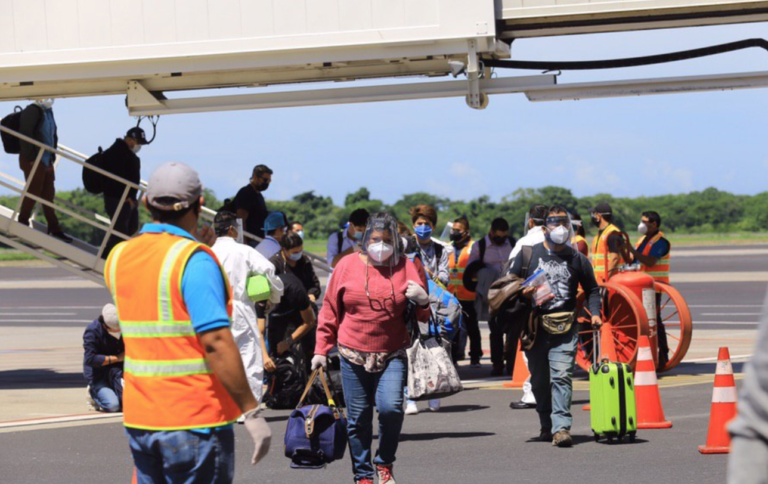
pixel 658 250
pixel 202 287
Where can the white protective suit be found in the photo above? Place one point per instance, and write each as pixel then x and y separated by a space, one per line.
pixel 241 262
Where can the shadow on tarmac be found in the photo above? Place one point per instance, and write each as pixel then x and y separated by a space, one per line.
pixel 28 379
pixel 443 435
pixel 462 408
pixel 693 369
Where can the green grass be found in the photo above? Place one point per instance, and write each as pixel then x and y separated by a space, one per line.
pixel 14 255
pixel 316 246
pixel 682 240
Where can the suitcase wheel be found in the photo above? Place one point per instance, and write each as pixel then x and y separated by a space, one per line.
pixel 632 437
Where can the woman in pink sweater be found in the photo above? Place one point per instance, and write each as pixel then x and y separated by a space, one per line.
pixel 364 314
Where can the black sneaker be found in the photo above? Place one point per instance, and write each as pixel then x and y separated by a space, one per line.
pixel 562 439
pixel 497 372
pixel 545 435
pixel 61 236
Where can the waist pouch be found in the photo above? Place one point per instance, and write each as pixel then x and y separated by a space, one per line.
pixel 557 323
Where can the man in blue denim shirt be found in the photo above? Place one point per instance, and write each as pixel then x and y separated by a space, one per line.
pixel 37 122
pixel 103 360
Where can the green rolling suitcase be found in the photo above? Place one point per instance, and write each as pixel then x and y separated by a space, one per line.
pixel 612 398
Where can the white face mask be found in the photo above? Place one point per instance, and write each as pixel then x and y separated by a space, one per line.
pixel 301 234
pixel 380 252
pixel 136 149
pixel 46 103
pixel 560 235
pixel 642 228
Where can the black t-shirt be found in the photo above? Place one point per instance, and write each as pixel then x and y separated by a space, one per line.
pixel 248 198
pixel 303 270
pixel 286 316
pixel 565 271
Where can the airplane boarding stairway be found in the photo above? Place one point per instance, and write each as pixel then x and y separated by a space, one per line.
pixel 78 257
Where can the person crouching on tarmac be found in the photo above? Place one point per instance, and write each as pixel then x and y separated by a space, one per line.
pixel 553 355
pixel 240 262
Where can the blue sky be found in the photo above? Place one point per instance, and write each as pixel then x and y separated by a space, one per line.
pixel 628 147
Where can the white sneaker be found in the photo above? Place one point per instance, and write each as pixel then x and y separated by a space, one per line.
pixel 411 408
pixel 241 419
pixel 434 405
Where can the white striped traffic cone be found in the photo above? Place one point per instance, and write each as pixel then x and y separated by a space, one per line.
pixel 650 413
pixel 724 398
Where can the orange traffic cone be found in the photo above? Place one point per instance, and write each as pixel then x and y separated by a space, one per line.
pixel 723 407
pixel 650 413
pixel 521 372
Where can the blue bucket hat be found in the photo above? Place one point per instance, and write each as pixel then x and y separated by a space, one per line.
pixel 274 220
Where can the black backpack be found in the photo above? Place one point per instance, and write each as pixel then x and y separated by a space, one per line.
pixel 93 181
pixel 317 393
pixel 12 144
pixel 286 384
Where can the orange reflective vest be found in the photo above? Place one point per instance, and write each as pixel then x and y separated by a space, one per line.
pixel 599 254
pixel 660 271
pixel 457 263
pixel 578 238
pixel 168 383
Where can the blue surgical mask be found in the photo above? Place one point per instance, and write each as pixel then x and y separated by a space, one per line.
pixel 301 234
pixel 296 256
pixel 424 232
pixel 358 235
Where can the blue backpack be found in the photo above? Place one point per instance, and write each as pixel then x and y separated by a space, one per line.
pixel 446 308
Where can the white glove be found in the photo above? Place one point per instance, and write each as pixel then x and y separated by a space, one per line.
pixel 417 294
pixel 260 432
pixel 318 361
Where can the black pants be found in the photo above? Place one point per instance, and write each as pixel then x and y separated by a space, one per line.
pixel 513 328
pixel 473 331
pixel 497 342
pixel 662 331
pixel 127 221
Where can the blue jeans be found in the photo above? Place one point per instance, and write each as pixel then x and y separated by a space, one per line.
pixel 183 456
pixel 551 361
pixel 361 390
pixel 108 393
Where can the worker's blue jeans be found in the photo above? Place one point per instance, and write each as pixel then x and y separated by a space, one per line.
pixel 361 391
pixel 183 456
pixel 551 362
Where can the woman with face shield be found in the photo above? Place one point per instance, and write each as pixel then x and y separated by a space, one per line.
pixel 364 314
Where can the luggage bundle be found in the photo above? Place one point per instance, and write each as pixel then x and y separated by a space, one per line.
pixel 316 434
pixel 612 398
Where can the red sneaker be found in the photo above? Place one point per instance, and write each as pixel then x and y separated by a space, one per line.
pixel 365 480
pixel 385 474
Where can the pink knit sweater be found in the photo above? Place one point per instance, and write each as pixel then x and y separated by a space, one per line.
pixel 350 319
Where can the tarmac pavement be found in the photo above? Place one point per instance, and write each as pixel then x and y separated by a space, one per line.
pixel 47 433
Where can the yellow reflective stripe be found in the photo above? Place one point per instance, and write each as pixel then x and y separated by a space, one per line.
pixel 166 367
pixel 190 427
pixel 112 268
pixel 156 329
pixel 165 305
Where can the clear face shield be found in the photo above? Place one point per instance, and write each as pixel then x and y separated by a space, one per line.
pixel 559 229
pixel 528 223
pixel 381 242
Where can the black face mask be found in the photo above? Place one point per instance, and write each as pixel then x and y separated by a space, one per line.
pixel 263 187
pixel 456 235
pixel 498 240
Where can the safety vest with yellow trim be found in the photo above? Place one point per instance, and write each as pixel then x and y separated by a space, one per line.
pixel 168 382
pixel 660 271
pixel 599 253
pixel 457 264
pixel 578 238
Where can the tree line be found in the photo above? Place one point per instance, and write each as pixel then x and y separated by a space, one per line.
pixel 710 211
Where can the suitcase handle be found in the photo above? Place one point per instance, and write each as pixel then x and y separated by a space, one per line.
pixel 596 344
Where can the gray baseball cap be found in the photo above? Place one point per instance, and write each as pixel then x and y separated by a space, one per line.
pixel 176 184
